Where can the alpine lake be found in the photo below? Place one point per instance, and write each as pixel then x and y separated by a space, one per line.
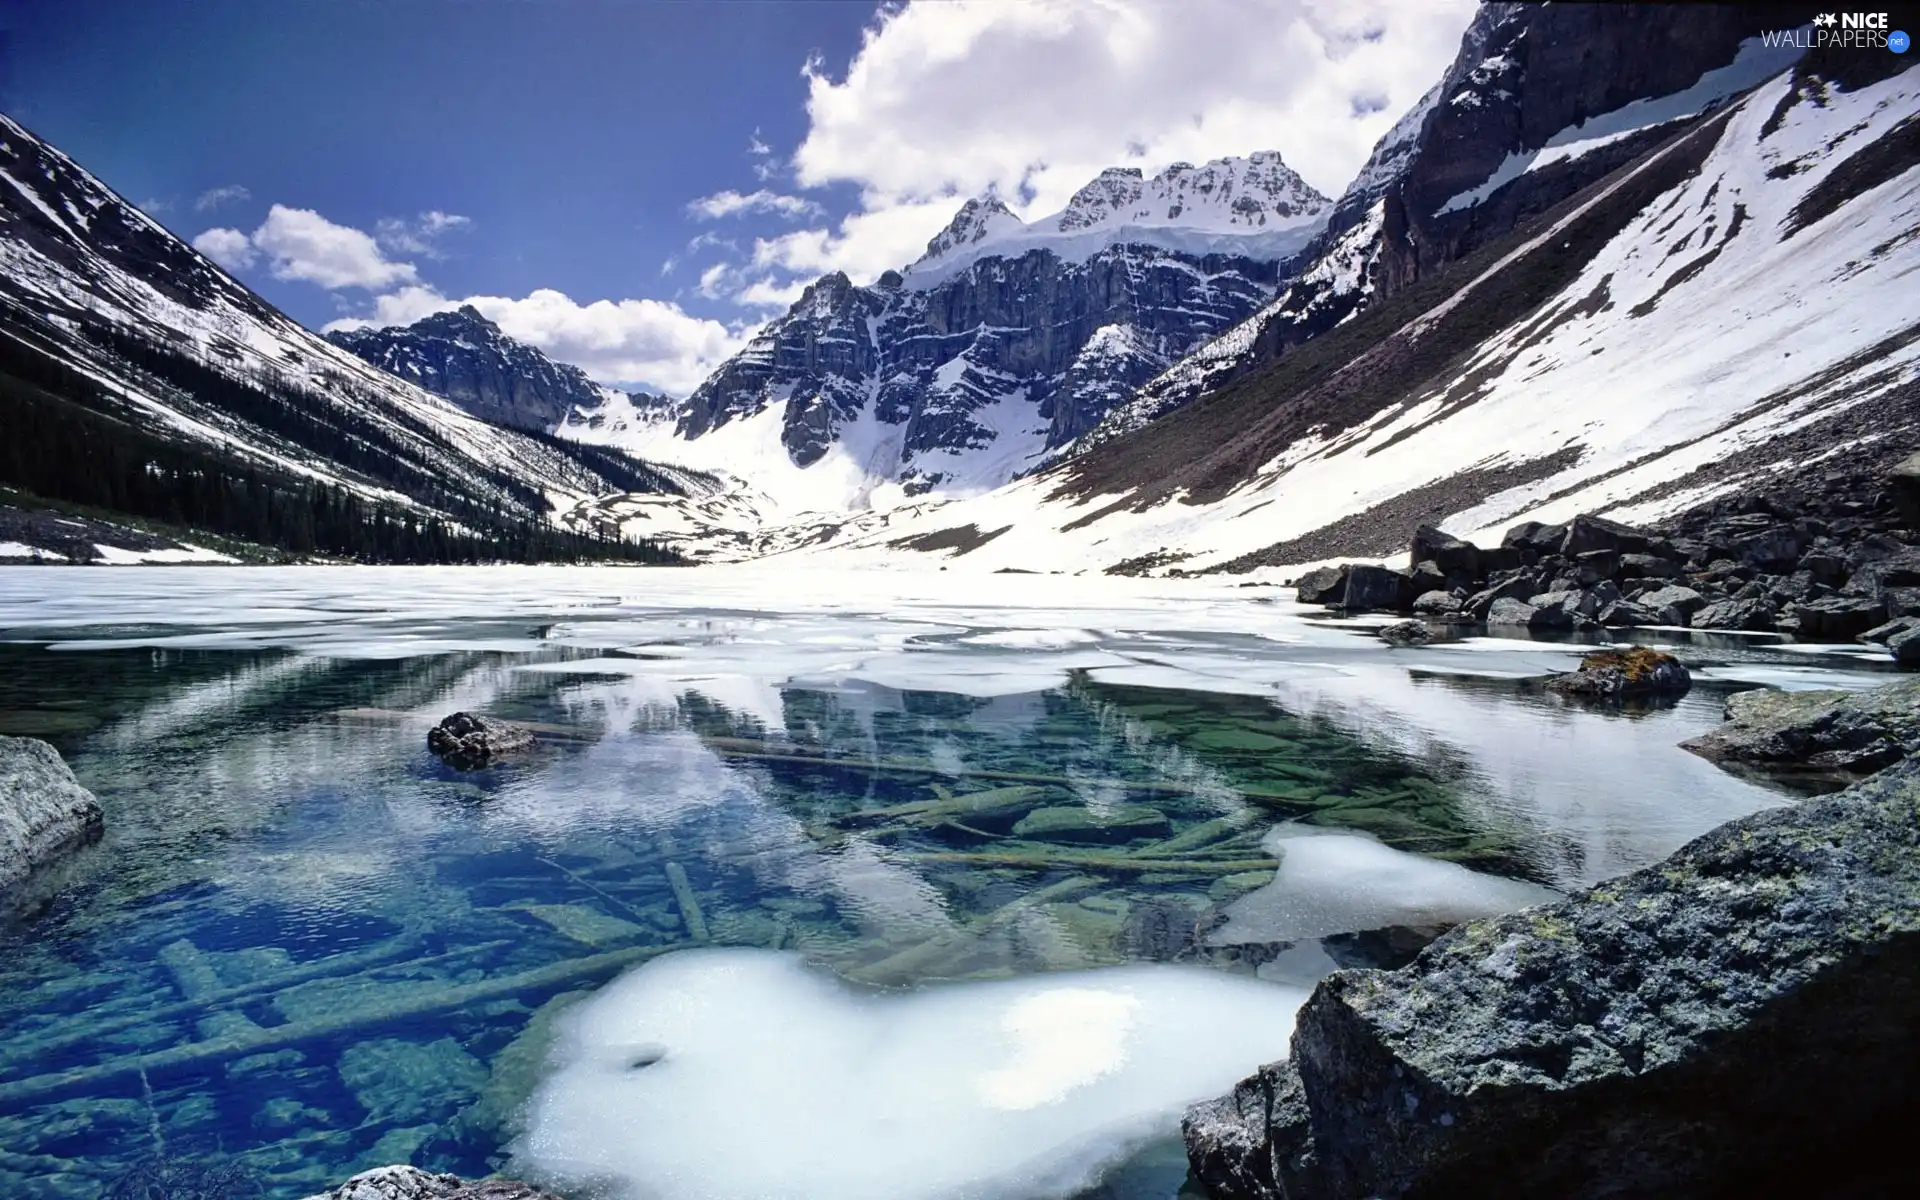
pixel 305 947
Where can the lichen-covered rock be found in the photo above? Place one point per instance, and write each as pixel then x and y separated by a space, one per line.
pixel 1624 674
pixel 1411 632
pixel 1828 730
pixel 44 812
pixel 412 1183
pixel 1740 1019
pixel 469 741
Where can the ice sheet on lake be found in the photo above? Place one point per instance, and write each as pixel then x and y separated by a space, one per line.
pixel 1024 1087
pixel 1332 883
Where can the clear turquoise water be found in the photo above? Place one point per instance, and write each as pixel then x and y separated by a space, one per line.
pixel 305 947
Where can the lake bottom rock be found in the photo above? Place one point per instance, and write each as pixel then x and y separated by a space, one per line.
pixel 468 741
pixel 412 1183
pixel 1740 1019
pixel 44 812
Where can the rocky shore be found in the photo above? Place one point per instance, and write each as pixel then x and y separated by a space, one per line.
pixel 1836 559
pixel 1738 1019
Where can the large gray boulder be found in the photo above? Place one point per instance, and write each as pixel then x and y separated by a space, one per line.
pixel 1324 585
pixel 1740 1019
pixel 1371 588
pixel 412 1183
pixel 1824 730
pixel 44 812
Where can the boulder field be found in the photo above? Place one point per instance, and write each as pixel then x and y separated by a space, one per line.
pixel 1828 561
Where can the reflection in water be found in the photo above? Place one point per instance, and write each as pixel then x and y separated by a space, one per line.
pixel 307 948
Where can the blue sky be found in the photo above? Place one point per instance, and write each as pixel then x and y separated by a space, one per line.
pixel 634 186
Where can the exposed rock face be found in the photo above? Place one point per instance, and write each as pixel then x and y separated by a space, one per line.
pixel 1740 1019
pixel 44 812
pixel 1442 182
pixel 1831 730
pixel 463 356
pixel 1624 674
pixel 1017 337
pixel 470 741
pixel 412 1183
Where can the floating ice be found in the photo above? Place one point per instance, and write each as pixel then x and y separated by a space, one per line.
pixel 1344 883
pixel 766 1078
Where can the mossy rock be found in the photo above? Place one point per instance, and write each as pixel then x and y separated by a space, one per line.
pixel 1082 826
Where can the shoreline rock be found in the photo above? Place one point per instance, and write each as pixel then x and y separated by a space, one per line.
pixel 44 812
pixel 1821 558
pixel 1740 1018
pixel 468 741
pixel 1857 731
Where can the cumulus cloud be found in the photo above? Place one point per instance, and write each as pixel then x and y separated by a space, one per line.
pixel 213 198
pixel 637 343
pixel 944 100
pixel 421 235
pixel 228 247
pixel 732 204
pixel 301 244
pixel 765 293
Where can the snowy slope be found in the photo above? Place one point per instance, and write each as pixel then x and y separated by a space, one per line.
pixel 88 281
pixel 1513 127
pixel 1738 317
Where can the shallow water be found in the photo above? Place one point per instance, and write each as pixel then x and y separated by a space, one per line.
pixel 305 947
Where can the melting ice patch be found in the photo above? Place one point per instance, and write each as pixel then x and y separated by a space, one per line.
pixel 1345 883
pixel 736 1073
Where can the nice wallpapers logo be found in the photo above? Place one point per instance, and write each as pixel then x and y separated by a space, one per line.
pixel 1862 30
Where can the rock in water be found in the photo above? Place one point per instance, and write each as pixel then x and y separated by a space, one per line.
pixel 1624 674
pixel 1831 730
pixel 1740 1019
pixel 1327 585
pixel 469 741
pixel 1411 632
pixel 411 1183
pixel 44 812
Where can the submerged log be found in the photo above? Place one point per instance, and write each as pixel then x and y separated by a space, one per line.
pixel 216 1050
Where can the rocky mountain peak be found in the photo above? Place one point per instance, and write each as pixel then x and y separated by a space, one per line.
pixel 980 218
pixel 1113 190
pixel 461 355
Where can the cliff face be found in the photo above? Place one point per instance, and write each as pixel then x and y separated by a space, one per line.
pixel 467 359
pixel 1542 101
pixel 1008 340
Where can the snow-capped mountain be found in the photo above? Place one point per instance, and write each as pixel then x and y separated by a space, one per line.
pixel 464 357
pixel 1732 305
pixel 128 351
pixel 1541 101
pixel 1003 343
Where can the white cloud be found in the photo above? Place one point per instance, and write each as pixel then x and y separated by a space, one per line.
pixel 757 146
pixel 212 198
pixel 228 247
pixel 732 204
pixel 716 281
pixel 636 343
pixel 765 293
pixel 301 244
pixel 944 100
pixel 419 236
